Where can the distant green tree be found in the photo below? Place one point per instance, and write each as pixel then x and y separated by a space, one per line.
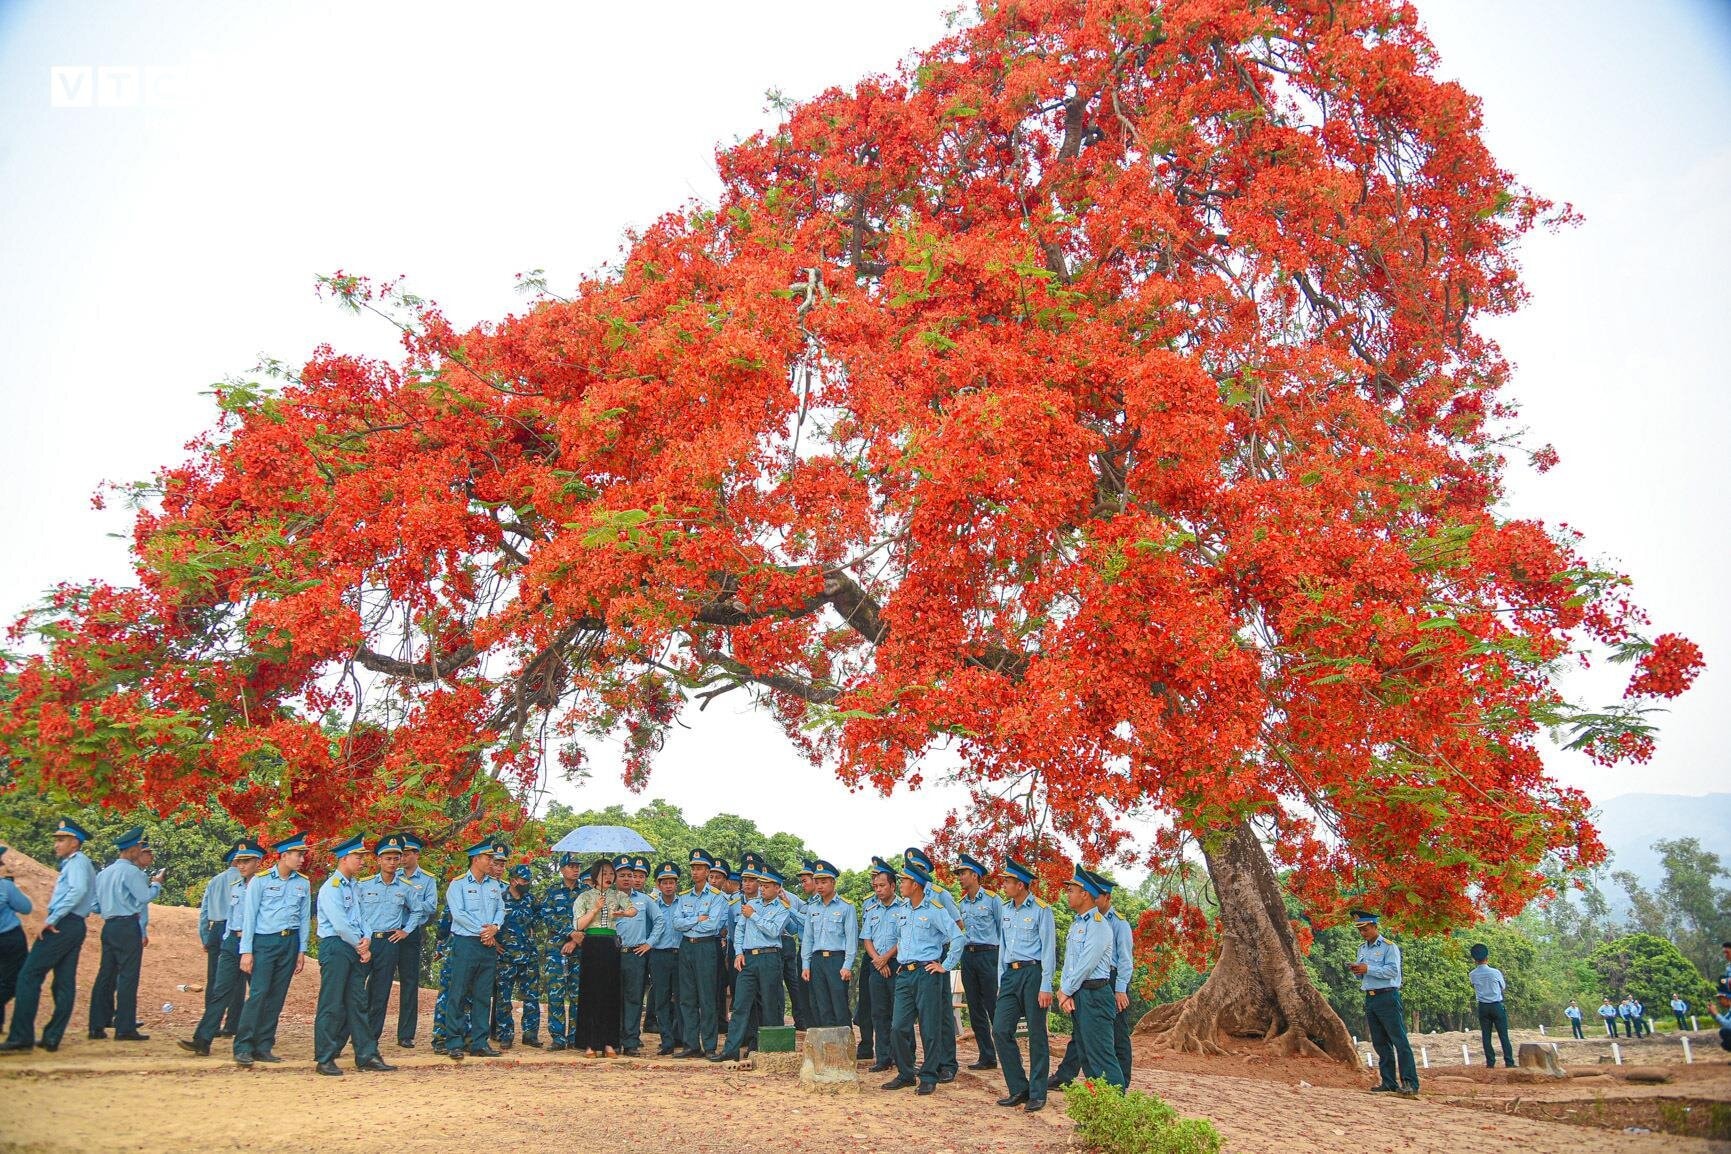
pixel 190 844
pixel 1649 968
pixel 1697 908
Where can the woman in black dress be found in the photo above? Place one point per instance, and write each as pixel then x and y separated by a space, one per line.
pixel 598 999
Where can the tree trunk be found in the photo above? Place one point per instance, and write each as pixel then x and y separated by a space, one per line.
pixel 1258 987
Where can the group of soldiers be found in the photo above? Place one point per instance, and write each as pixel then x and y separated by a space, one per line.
pixel 705 961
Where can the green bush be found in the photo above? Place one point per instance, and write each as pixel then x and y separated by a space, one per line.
pixel 1113 1122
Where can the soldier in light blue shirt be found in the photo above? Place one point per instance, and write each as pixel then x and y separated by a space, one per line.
pixel 1378 972
pixel 1573 1013
pixel 410 949
pixel 275 925
pixel 345 952
pixel 634 934
pixel 877 996
pixel 1488 988
pixel 942 897
pixel 1123 968
pixel 1027 963
pixel 13 944
pixel 123 896
pixel 57 948
pixel 391 907
pixel 827 946
pixel 928 945
pixel 1679 1008
pixel 982 918
pixel 1085 991
pixel 757 959
pixel 216 908
pixel 228 989
pixel 700 917
pixel 664 939
pixel 477 906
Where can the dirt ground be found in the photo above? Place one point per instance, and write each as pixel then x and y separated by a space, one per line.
pixel 106 1096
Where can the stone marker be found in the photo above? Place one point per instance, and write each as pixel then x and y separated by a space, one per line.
pixel 1540 1057
pixel 829 1062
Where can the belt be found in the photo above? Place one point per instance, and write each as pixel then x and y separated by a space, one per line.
pixel 665 950
pixel 277 933
pixel 829 953
pixel 978 949
pixel 761 950
pixel 1096 983
pixel 1019 965
pixel 121 918
pixel 693 938
pixel 906 966
pixel 383 933
pixel 1384 990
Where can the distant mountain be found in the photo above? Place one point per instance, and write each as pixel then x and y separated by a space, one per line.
pixel 1630 824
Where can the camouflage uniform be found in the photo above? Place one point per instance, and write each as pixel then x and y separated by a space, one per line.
pixel 519 966
pixel 441 948
pixel 559 970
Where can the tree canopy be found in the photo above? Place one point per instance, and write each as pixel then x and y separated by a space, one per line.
pixel 1103 397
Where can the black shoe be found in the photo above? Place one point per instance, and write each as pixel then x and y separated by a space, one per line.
pixel 899 1083
pixel 265 1056
pixel 664 1053
pixel 49 1046
pixel 1408 1091
pixel 927 1088
pixel 132 1037
pixel 378 1064
pixel 723 1057
pixel 454 1055
pixel 405 1045
pixel 882 1067
pixel 330 1069
pixel 984 1066
pixel 244 1061
pixel 487 1052
pixel 555 1047
pixel 691 1054
pixel 1013 1100
pixel 947 1077
pixel 535 1042
pixel 1058 1085
pixel 503 1046
pixel 97 1035
pixel 194 1047
pixel 226 1034
pixel 863 1055
pixel 16 1047
pixel 1384 1089
pixel 1036 1104
pixel 632 1051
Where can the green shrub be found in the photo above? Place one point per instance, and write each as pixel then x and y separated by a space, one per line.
pixel 1113 1122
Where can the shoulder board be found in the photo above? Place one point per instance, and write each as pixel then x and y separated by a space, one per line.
pixel 1041 902
pixel 1098 916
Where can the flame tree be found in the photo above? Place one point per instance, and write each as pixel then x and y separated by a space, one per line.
pixel 1101 400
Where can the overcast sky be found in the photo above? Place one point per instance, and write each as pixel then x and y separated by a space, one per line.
pixel 156 244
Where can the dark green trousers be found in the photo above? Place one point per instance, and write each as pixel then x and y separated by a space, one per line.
pixel 878 996
pixel 828 992
pixel 273 968
pixel 980 990
pixel 56 954
pixel 1386 1020
pixel 757 995
pixel 469 1000
pixel 698 959
pixel 664 988
pixel 1094 1012
pixel 221 996
pixel 114 997
pixel 921 998
pixel 633 969
pixel 1495 1016
pixel 1019 1001
pixel 381 976
pixel 342 1012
